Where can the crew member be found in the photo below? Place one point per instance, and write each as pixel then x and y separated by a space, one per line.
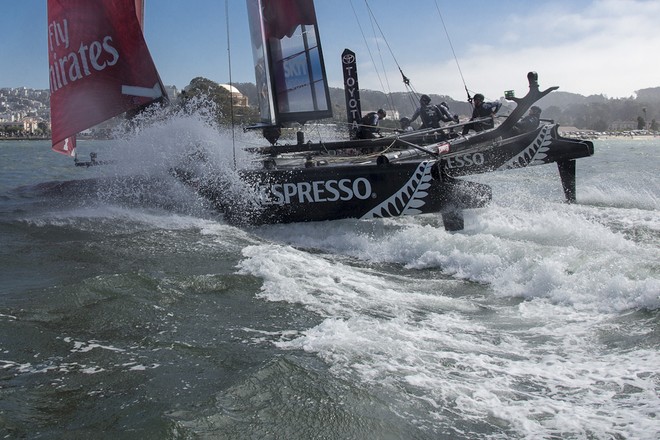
pixel 445 109
pixel 369 125
pixel 430 114
pixel 482 110
pixel 529 122
pixel 405 124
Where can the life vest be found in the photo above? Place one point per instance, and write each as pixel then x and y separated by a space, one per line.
pixel 430 116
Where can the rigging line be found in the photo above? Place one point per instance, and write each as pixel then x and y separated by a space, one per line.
pixel 390 101
pixel 413 96
pixel 364 39
pixel 406 80
pixel 231 85
pixel 366 43
pixel 442 20
pixel 383 35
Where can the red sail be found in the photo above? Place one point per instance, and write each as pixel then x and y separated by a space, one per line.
pixel 99 64
pixel 139 11
pixel 67 146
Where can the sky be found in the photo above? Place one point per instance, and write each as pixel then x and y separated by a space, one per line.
pixel 607 47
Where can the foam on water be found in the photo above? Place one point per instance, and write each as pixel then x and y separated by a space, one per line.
pixel 135 187
pixel 555 253
pixel 140 160
pixel 160 138
pixel 528 369
pixel 553 343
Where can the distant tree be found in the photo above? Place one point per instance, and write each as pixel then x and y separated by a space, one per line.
pixel 641 123
pixel 249 90
pixel 624 109
pixel 597 114
pixel 600 125
pixel 553 112
pixel 201 90
pixel 12 130
pixel 654 125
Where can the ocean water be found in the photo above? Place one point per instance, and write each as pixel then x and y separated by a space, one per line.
pixel 130 310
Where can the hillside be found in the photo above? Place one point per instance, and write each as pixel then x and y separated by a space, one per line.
pixel 595 112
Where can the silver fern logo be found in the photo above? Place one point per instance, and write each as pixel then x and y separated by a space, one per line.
pixel 408 199
pixel 534 154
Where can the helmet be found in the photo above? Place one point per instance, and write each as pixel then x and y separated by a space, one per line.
pixel 535 110
pixel 381 112
pixel 404 120
pixel 478 96
pixel 444 104
pixel 424 99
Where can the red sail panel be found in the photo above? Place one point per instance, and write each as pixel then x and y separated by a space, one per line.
pixel 282 17
pixel 99 64
pixel 67 146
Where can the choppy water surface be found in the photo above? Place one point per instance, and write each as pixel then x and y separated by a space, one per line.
pixel 128 309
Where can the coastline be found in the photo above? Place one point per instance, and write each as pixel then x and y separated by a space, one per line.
pixel 640 137
pixel 25 138
pixel 566 134
pixel 45 138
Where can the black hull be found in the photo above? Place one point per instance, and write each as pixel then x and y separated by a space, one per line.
pixel 406 182
pixel 416 175
pixel 539 147
pixel 350 191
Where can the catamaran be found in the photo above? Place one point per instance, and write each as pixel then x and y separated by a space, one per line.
pixel 100 67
